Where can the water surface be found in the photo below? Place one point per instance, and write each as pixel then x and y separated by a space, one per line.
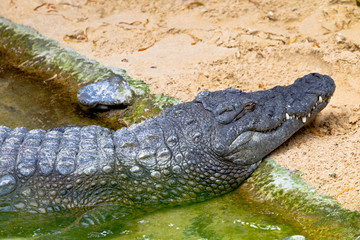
pixel 36 103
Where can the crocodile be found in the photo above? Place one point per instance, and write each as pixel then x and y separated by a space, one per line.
pixel 191 152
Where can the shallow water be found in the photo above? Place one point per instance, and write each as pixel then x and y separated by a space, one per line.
pixel 227 217
pixel 29 102
pixel 34 103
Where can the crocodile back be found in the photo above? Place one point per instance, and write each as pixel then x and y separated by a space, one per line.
pixel 165 161
pixel 38 167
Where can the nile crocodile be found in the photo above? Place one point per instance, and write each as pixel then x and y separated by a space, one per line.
pixel 191 152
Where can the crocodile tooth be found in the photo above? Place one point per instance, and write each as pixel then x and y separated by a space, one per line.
pixel 308 114
pixel 287 116
pixel 320 99
pixel 303 119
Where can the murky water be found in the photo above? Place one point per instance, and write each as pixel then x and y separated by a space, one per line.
pixel 227 217
pixel 224 218
pixel 35 103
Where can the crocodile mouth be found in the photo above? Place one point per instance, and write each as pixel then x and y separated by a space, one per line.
pixel 242 148
pixel 317 107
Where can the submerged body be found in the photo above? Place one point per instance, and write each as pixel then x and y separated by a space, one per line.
pixel 191 152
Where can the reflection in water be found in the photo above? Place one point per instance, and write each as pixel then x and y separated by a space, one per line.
pixel 32 103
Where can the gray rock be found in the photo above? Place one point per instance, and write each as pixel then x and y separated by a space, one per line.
pixel 109 92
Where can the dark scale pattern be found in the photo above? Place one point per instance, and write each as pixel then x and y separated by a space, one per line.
pixel 165 161
pixel 57 169
pixel 191 152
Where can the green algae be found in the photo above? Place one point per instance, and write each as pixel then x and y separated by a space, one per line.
pixel 162 101
pixel 321 217
pixel 141 109
pixel 231 216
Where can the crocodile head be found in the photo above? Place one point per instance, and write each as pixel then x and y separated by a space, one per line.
pixel 248 126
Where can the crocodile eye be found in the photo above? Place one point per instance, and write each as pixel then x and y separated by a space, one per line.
pixel 249 106
pixel 224 109
pixel 225 113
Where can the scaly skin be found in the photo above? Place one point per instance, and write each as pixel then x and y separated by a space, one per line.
pixel 191 152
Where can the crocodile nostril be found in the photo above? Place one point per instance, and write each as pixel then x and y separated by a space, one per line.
pixel 316 75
